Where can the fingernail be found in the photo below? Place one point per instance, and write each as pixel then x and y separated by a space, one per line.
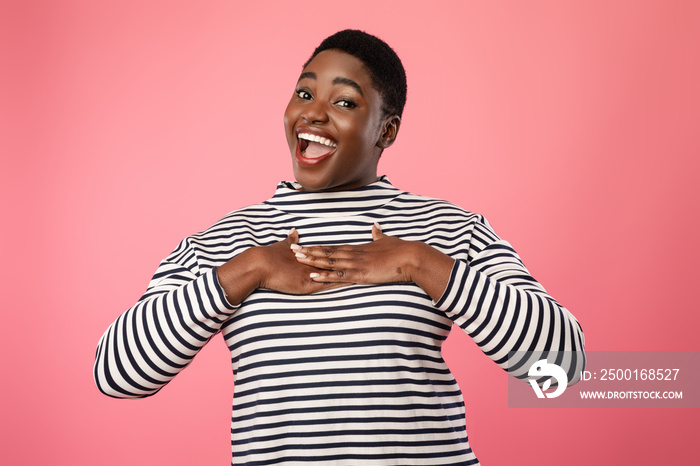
pixel 291 231
pixel 377 225
pixel 314 275
pixel 300 255
pixel 295 247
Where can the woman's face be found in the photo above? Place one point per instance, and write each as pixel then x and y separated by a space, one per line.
pixel 335 125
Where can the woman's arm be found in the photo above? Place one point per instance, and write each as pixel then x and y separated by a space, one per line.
pixel 504 309
pixel 158 337
pixel 183 308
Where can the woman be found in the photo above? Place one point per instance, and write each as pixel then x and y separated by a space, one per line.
pixel 335 295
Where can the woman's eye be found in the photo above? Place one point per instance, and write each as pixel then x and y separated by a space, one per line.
pixel 302 94
pixel 346 103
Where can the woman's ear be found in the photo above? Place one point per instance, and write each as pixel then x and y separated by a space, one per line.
pixel 390 129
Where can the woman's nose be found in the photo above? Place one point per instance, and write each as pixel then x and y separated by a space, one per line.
pixel 315 112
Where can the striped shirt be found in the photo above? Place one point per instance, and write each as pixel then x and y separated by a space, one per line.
pixel 348 376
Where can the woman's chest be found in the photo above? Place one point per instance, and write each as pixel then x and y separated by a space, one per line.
pixel 368 323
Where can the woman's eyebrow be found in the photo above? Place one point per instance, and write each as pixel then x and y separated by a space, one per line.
pixel 349 82
pixel 307 75
pixel 336 81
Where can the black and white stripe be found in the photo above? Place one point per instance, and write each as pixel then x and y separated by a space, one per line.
pixel 353 375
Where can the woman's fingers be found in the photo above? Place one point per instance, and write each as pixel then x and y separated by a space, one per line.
pixel 337 276
pixel 333 264
pixel 380 261
pixel 292 237
pixel 377 232
pixel 322 253
pixel 281 271
pixel 344 251
pixel 326 262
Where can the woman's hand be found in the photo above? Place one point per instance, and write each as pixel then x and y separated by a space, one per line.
pixel 280 271
pixel 386 259
pixel 273 267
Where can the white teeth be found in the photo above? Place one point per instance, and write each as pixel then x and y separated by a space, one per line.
pixel 319 139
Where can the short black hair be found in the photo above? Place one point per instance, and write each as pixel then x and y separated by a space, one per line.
pixel 385 67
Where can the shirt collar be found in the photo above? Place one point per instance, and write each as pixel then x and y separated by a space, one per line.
pixel 289 198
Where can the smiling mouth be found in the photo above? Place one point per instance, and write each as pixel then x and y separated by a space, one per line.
pixel 315 147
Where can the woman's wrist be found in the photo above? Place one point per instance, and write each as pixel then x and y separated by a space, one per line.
pixel 241 275
pixel 429 268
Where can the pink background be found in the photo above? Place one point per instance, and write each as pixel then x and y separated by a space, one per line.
pixel 127 125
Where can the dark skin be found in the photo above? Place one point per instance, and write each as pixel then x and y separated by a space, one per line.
pixel 336 98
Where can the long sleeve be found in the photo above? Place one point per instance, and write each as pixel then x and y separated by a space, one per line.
pixel 153 341
pixel 493 297
pixel 355 372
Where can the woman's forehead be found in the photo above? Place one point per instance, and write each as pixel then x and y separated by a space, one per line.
pixel 337 65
